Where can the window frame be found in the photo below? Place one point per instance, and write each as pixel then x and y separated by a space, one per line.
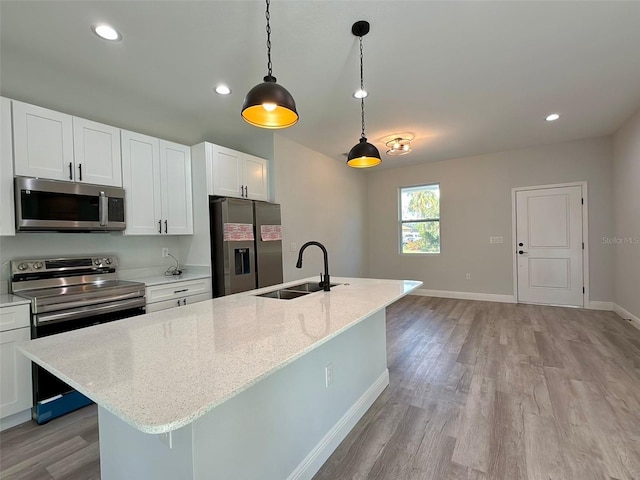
pixel 401 222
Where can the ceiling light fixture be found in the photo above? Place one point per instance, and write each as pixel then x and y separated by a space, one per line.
pixel 553 117
pixel 398 146
pixel 269 105
pixel 364 154
pixel 106 32
pixel 360 93
pixel 223 90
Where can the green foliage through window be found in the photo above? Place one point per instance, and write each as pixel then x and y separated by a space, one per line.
pixel 420 219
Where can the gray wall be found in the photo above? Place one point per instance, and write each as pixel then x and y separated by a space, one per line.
pixel 321 199
pixel 626 204
pixel 476 204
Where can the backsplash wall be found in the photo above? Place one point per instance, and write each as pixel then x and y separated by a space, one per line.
pixel 132 251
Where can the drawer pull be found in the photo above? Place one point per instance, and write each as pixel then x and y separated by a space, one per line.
pixel 180 291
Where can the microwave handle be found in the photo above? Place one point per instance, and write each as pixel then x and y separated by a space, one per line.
pixel 103 203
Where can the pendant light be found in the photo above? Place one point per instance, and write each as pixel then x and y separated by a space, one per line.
pixel 269 105
pixel 364 154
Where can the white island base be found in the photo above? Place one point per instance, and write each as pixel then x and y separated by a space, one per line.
pixel 283 427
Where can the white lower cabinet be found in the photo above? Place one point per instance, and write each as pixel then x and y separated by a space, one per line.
pixel 15 368
pixel 177 294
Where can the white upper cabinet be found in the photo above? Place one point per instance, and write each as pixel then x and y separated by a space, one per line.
pixel 96 150
pixel 175 178
pixel 256 178
pixel 234 174
pixel 7 219
pixel 54 145
pixel 43 142
pixel 157 180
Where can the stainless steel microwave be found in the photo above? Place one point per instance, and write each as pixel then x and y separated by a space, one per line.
pixel 50 205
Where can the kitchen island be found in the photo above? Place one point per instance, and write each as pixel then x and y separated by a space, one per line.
pixel 239 387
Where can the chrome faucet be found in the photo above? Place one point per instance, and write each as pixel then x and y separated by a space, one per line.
pixel 326 282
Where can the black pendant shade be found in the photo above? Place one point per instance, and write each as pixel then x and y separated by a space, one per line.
pixel 269 105
pixel 363 155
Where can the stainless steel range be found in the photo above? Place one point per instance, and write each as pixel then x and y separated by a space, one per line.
pixel 67 294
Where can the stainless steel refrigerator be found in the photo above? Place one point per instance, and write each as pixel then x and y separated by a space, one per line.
pixel 246 245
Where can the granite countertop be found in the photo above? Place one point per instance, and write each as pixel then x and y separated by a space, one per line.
pixel 9 300
pixel 161 371
pixel 165 279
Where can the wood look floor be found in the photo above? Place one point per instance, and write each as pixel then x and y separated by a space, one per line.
pixel 478 391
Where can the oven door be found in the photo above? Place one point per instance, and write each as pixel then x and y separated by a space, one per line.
pixel 51 396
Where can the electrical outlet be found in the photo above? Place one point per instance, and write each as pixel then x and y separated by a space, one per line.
pixel 328 375
pixel 294 247
pixel 165 252
pixel 468 276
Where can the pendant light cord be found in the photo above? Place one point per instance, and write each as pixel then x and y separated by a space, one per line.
pixel 362 87
pixel 268 16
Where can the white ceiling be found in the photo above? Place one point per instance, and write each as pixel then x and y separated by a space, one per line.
pixel 465 77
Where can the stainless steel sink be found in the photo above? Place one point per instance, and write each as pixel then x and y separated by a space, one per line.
pixel 283 294
pixel 308 287
pixel 295 291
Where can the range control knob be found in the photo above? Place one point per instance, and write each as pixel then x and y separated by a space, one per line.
pixel 23 266
pixel 97 261
pixel 108 261
pixel 37 265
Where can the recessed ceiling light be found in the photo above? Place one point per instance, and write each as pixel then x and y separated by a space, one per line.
pixel 360 93
pixel 223 90
pixel 553 117
pixel 106 32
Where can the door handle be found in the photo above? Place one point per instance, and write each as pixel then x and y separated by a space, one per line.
pixel 522 252
pixel 103 209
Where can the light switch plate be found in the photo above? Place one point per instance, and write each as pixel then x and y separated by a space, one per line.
pixel 496 239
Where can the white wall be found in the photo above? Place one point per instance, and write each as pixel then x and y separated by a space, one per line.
pixel 132 252
pixel 476 204
pixel 626 206
pixel 321 199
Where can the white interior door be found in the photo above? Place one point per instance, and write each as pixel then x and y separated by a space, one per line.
pixel 549 246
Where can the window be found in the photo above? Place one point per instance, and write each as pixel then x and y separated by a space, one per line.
pixel 420 219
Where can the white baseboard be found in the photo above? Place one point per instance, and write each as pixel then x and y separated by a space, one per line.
pixel 596 305
pixel 15 419
pixel 485 297
pixel 635 321
pixel 316 458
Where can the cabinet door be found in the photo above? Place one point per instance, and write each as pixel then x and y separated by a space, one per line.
pixel 43 142
pixel 256 177
pixel 97 153
pixel 15 373
pixel 175 178
pixel 226 172
pixel 7 218
pixel 141 181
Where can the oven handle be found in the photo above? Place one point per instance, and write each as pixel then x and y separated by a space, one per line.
pixel 88 311
pixel 55 307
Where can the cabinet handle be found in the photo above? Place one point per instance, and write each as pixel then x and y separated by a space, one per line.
pixel 159 226
pixel 242 191
pixel 180 291
pixel 165 226
pixel 80 170
pixel 178 302
pixel 184 302
pixel 70 171
pixel 246 192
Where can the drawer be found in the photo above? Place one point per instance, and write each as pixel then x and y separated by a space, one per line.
pixel 177 302
pixel 175 290
pixel 13 317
